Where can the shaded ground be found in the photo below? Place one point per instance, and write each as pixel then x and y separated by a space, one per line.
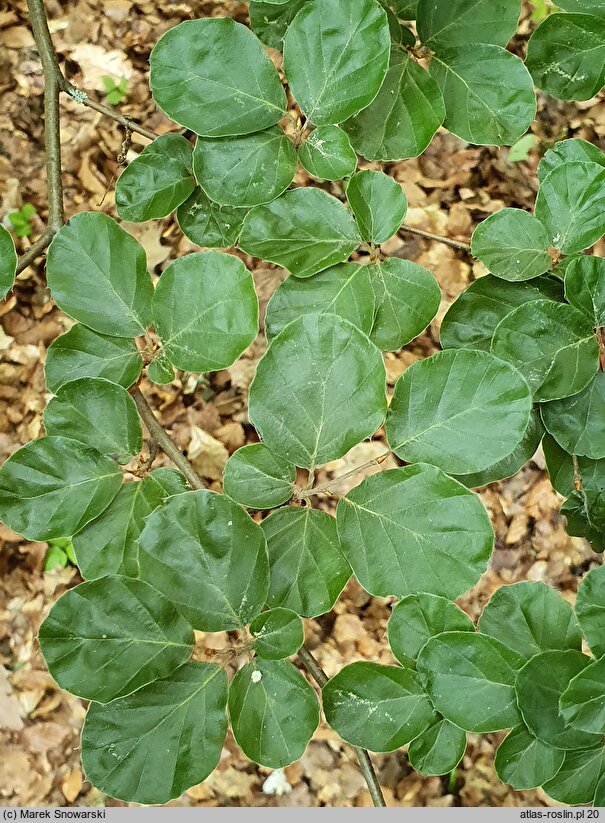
pixel 450 189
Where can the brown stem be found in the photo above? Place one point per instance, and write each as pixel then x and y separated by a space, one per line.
pixel 455 244
pixel 35 249
pixel 365 763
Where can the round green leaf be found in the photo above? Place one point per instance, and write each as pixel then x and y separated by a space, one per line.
pixel 379 708
pixel 81 352
pixel 157 181
pixel 205 311
pixel 559 465
pixel 305 230
pixel 97 273
pixel 378 203
pixel 407 300
pixel 524 762
pixel 417 618
pixel 539 687
pixel 97 413
pixel 461 410
pixel 208 557
pixel 414 529
pixel 552 345
pixel 311 414
pixel 568 151
pixel 8 262
pixel 110 544
pixel 53 487
pixel 571 204
pixel 472 318
pixel 439 749
pixel 590 610
pixel 470 679
pixel 566 56
pixel 336 54
pixel 583 701
pixel 459 22
pixel 587 6
pixel 512 244
pixel 515 461
pixel 257 478
pixel 208 224
pixel 273 712
pixel 327 154
pixel 488 93
pixel 107 638
pixel 247 170
pixel 578 423
pixel 530 618
pixel 577 780
pixel 585 287
pixel 153 745
pixel 345 290
pixel 277 633
pixel 214 77
pixel 160 370
pixel 404 116
pixel 270 20
pixel 308 570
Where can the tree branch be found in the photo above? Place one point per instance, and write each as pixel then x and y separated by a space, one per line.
pixel 455 244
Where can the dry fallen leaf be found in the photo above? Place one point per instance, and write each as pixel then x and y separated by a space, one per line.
pixel 10 719
pixel 207 454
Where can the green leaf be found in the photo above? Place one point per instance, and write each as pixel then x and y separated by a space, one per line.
pixel 110 544
pixel 568 151
pixel 577 780
pixel 530 618
pixel 524 762
pixel 257 478
pixel 459 22
pixel 312 415
pixel 109 637
pixel 520 150
pixel 336 54
pixel 155 744
pixel 512 244
pixel 470 679
pixel 584 484
pixel 566 56
pixel 571 204
pixel 345 290
pixel 439 749
pixel 273 712
pixel 247 170
pixel 405 9
pixel 471 319
pixel 414 529
pixel 157 181
pixel 160 370
pixel 407 300
pixel 417 618
pixel 585 287
pixel 599 797
pixel 55 558
pixel 488 93
pixel 97 273
pixel 582 703
pixel 404 116
pixel 82 352
pixel 216 572
pixel 509 466
pixel 590 610
pixel 208 224
pixel 214 77
pixel 205 311
pixel 559 465
pixel 327 154
pixel 308 570
pixel 305 230
pixel 270 21
pixel 552 345
pixel 379 708
pixel 378 203
pixel 8 262
pixel 277 633
pixel 445 410
pixel 96 413
pixel 584 511
pixel 539 686
pixel 53 487
pixel 578 423
pixel 587 6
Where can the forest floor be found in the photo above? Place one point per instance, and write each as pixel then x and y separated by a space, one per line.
pixel 450 189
